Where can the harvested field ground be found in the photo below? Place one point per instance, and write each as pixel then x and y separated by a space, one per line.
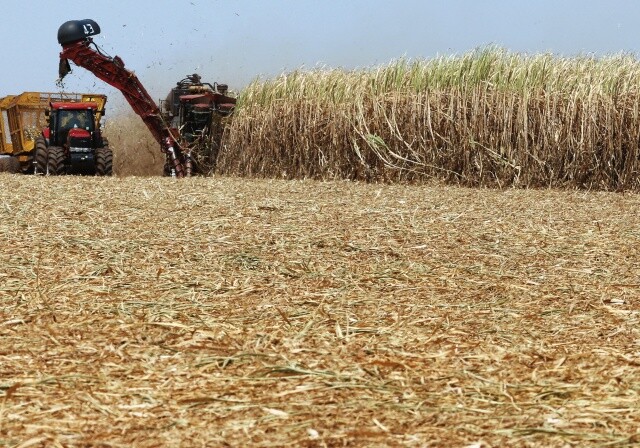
pixel 233 312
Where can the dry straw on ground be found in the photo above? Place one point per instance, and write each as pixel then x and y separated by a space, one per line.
pixel 225 312
pixel 488 118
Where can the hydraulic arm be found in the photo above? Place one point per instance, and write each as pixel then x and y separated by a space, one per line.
pixel 78 47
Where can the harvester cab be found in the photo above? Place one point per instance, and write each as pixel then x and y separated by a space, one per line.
pixel 191 105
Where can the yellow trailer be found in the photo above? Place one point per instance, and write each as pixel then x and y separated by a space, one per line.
pixel 26 114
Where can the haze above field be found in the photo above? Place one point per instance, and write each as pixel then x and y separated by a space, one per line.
pixel 235 42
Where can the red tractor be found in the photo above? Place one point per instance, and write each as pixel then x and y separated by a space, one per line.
pixel 72 142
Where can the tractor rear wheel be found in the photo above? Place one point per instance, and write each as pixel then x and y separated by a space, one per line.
pixel 104 161
pixel 56 165
pixel 41 155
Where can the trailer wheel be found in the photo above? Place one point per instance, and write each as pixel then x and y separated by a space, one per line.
pixel 40 159
pixel 9 165
pixel 104 161
pixel 14 165
pixel 56 165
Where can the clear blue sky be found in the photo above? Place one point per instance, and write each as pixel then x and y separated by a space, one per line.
pixel 237 41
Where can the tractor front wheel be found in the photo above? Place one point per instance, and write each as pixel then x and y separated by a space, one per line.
pixel 104 161
pixel 56 162
pixel 40 159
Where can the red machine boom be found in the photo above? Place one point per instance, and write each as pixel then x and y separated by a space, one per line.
pixel 75 38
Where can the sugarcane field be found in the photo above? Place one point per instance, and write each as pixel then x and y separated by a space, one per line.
pixel 435 252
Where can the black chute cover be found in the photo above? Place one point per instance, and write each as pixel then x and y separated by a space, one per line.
pixel 75 30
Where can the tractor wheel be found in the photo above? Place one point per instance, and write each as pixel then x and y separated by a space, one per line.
pixel 40 160
pixel 56 165
pixel 104 161
pixel 9 165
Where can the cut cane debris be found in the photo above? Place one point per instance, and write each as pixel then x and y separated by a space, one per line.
pixel 351 315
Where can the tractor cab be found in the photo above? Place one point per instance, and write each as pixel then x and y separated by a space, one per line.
pixel 72 125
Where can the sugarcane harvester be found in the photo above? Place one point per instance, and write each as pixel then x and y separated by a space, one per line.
pixel 75 36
